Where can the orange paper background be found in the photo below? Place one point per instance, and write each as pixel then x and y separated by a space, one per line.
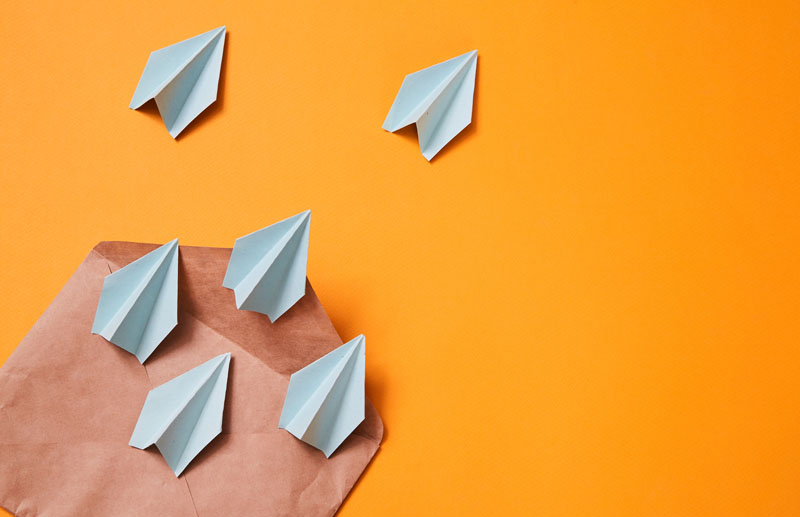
pixel 587 305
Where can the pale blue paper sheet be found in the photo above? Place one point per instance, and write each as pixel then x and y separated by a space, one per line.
pixel 267 270
pixel 183 415
pixel 438 100
pixel 139 303
pixel 182 78
pixel 325 400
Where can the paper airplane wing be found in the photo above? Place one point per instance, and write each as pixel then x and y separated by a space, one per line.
pixel 418 91
pixel 449 113
pixel 183 78
pixel 267 270
pixel 325 400
pixel 438 99
pixel 183 415
pixel 138 304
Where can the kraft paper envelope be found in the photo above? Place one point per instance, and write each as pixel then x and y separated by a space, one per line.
pixel 70 400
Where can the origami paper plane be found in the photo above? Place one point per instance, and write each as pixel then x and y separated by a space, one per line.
pixel 183 415
pixel 139 303
pixel 182 78
pixel 267 270
pixel 438 100
pixel 325 400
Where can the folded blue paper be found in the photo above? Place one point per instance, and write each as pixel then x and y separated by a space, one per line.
pixel 438 100
pixel 183 415
pixel 182 78
pixel 325 400
pixel 139 303
pixel 267 270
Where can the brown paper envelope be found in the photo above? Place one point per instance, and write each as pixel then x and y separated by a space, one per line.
pixel 69 401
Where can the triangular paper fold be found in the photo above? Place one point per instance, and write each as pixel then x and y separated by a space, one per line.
pixel 183 79
pixel 183 415
pixel 438 100
pixel 267 270
pixel 325 400
pixel 139 303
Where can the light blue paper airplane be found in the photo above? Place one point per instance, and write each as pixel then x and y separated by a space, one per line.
pixel 183 415
pixel 267 270
pixel 182 78
pixel 325 400
pixel 139 303
pixel 438 100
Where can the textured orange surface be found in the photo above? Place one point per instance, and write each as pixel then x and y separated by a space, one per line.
pixel 587 305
